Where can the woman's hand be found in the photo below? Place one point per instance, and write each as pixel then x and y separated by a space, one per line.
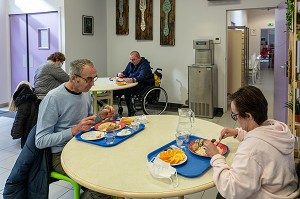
pixel 84 125
pixel 210 148
pixel 228 132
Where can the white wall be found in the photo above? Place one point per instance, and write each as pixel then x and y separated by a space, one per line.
pixel 239 17
pixel 259 19
pixel 86 46
pixel 195 19
pixel 4 55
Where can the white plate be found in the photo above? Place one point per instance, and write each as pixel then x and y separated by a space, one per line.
pixel 123 133
pixel 92 135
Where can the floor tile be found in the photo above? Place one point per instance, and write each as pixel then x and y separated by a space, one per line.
pixel 6 154
pixel 3 178
pixel 56 191
pixel 8 163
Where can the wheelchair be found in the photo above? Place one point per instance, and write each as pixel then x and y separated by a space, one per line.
pixel 153 100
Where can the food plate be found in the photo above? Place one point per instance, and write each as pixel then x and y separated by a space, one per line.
pixel 123 133
pixel 102 126
pixel 121 83
pixel 175 164
pixel 222 149
pixel 92 135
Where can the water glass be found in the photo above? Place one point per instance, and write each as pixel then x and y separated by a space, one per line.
pixel 180 139
pixel 110 137
pixel 135 125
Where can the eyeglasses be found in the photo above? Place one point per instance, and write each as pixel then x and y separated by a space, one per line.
pixel 88 79
pixel 234 116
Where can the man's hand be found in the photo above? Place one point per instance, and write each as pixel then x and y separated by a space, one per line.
pixel 120 75
pixel 107 112
pixel 128 80
pixel 84 125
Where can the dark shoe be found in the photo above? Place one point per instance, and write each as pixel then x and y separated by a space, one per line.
pixel 90 194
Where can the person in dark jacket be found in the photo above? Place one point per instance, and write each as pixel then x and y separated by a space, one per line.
pixel 137 70
pixel 25 102
pixel 30 176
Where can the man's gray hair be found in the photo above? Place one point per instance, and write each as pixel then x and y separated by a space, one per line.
pixel 78 64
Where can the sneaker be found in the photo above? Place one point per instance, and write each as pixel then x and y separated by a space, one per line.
pixel 90 194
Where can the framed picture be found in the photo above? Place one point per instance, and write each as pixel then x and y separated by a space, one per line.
pixel 87 25
pixel 253 32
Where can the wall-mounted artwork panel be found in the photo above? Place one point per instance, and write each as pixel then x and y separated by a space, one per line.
pixel 144 20
pixel 122 21
pixel 167 22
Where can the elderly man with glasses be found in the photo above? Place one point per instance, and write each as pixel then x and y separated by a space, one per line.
pixel 67 110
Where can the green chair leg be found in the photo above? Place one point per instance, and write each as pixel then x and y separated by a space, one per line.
pixel 75 185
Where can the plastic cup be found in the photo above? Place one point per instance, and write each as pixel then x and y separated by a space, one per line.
pixel 110 137
pixel 135 125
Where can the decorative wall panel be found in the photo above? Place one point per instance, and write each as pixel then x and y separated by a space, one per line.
pixel 144 20
pixel 122 22
pixel 167 22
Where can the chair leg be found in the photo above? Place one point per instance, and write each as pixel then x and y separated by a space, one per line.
pixel 75 185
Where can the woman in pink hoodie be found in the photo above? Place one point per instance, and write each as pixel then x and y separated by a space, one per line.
pixel 263 166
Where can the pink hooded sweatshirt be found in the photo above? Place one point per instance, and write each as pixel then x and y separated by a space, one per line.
pixel 263 166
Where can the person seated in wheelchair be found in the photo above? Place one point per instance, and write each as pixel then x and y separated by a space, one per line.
pixel 137 70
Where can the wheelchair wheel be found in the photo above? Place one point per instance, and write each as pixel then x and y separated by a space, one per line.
pixel 155 101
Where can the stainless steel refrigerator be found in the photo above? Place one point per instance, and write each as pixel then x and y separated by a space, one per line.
pixel 203 90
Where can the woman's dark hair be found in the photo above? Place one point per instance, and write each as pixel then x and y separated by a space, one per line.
pixel 249 99
pixel 57 56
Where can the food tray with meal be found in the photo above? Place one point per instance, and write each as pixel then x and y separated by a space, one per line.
pixel 193 164
pixel 96 135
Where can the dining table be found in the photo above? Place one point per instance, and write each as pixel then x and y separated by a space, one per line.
pixel 121 170
pixel 106 85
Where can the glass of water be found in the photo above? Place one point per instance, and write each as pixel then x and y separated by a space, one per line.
pixel 180 138
pixel 110 137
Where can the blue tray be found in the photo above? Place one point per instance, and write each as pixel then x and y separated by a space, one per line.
pixel 194 166
pixel 118 139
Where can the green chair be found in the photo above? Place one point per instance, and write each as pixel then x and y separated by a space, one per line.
pixel 75 185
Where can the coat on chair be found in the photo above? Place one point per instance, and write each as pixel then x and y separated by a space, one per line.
pixel 30 176
pixel 26 102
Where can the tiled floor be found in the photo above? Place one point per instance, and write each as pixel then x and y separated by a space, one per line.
pixel 10 149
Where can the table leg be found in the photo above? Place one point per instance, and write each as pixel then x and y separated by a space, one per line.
pixel 180 197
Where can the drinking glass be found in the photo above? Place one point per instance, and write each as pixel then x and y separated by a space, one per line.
pixel 110 137
pixel 180 138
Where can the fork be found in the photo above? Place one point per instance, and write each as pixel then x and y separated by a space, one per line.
pixel 220 139
pixel 142 9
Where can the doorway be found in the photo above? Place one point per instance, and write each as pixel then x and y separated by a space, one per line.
pixel 267 40
pixel 256 20
pixel 33 37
